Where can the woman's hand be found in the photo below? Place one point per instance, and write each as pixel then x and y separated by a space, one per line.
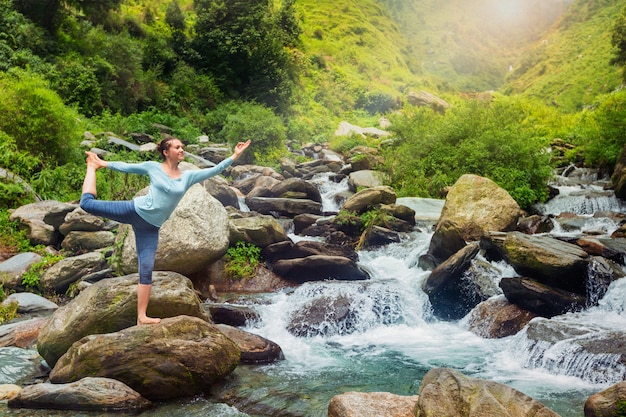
pixel 95 161
pixel 241 146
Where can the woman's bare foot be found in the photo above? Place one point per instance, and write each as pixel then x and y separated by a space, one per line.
pixel 147 320
pixel 94 160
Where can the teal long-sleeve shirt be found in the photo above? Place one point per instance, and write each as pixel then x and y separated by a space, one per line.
pixel 164 192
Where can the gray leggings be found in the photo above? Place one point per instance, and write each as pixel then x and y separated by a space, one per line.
pixel 146 234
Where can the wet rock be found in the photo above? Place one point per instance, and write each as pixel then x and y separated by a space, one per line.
pixel 607 402
pixel 453 294
pixel 111 305
pixel 179 357
pixel 324 316
pixel 539 298
pixel 319 268
pixel 379 236
pixel 497 317
pixel 445 242
pixel 254 348
pixel 372 404
pixel 446 392
pixel 561 344
pixel 232 315
pixel 103 394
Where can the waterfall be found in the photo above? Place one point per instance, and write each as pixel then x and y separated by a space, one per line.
pixel 330 190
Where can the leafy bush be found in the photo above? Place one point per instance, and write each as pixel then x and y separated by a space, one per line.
pixel 8 311
pixel 36 118
pixel 12 238
pixel 30 278
pixel 504 140
pixel 241 261
pixel 601 132
pixel 259 124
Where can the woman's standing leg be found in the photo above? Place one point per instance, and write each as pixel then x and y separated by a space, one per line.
pixel 146 240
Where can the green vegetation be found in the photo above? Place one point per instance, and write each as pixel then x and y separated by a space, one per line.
pixel 620 409
pixel 8 312
pixel 12 238
pixel 242 260
pixel 277 71
pixel 504 139
pixel 31 278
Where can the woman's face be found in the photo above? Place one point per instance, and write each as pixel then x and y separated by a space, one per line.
pixel 175 152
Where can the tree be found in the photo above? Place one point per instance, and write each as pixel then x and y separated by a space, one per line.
pixel 242 43
pixel 50 13
pixel 618 40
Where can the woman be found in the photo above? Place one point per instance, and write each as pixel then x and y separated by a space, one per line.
pixel 146 214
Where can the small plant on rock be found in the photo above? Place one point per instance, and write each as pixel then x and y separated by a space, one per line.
pixel 242 260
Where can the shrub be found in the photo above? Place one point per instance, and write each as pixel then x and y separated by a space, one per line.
pixel 30 278
pixel 37 119
pixel 12 238
pixel 265 129
pixel 504 140
pixel 242 260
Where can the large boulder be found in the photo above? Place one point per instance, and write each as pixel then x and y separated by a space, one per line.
pixel 69 270
pixel 452 290
pixel 319 268
pixel 372 404
pixel 12 269
pixel 259 230
pixel 540 299
pixel 606 403
pixel 550 261
pixel 111 305
pixel 196 235
pixel 497 317
pixel 370 197
pixel 448 393
pixel 102 394
pixel 31 219
pixel 478 205
pixel 179 357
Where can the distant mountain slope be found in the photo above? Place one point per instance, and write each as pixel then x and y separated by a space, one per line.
pixel 469 45
pixel 570 66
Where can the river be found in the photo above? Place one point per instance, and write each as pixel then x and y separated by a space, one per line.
pixel 392 338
